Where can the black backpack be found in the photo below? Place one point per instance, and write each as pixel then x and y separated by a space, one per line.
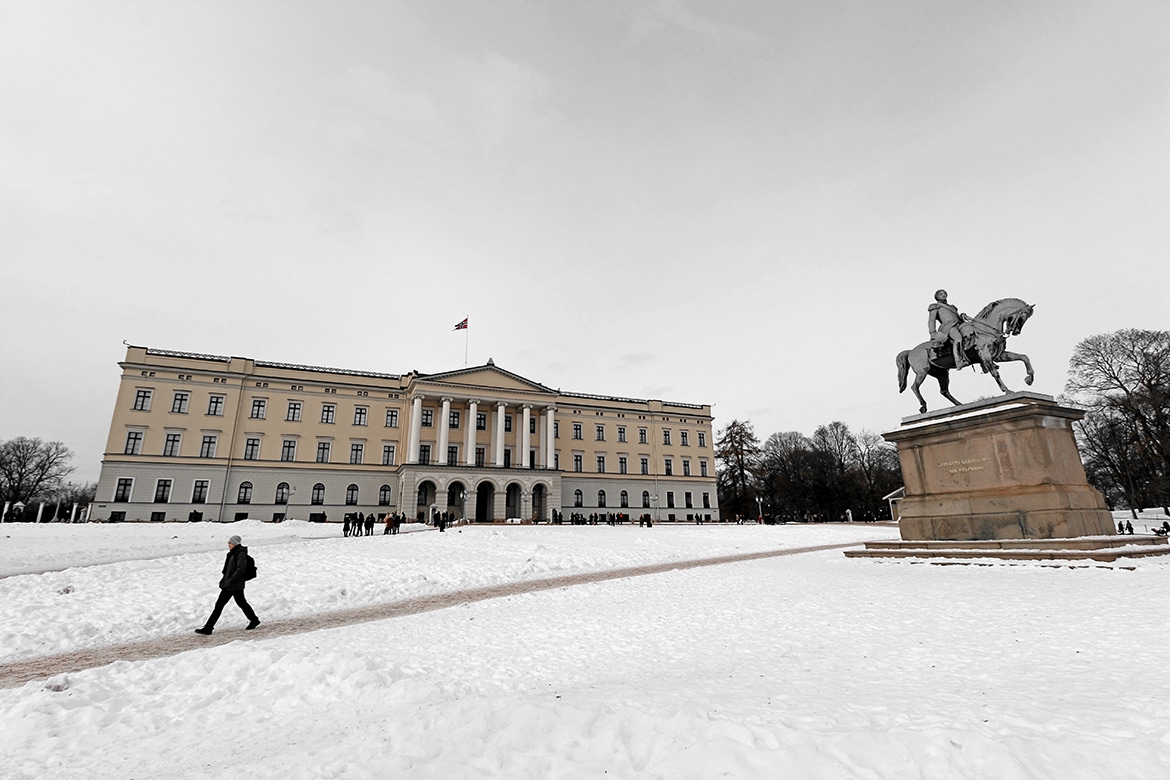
pixel 249 568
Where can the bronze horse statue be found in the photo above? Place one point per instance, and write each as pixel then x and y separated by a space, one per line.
pixel 984 342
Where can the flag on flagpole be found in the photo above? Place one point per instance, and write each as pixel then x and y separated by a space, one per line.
pixel 462 325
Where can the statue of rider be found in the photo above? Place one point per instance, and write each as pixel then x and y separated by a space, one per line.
pixel 944 320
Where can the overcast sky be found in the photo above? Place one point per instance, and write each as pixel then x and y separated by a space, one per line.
pixel 747 204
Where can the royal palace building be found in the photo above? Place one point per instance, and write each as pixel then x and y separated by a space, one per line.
pixel 204 437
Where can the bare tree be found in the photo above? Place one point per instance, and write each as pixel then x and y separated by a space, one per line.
pixel 32 469
pixel 1123 379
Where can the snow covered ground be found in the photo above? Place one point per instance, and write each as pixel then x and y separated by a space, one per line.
pixel 804 666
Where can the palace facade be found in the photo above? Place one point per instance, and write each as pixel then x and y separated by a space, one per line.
pixel 205 437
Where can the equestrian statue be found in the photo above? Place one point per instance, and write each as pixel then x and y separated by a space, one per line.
pixel 957 341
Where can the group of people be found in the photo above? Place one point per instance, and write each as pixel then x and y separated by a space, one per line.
pixel 358 524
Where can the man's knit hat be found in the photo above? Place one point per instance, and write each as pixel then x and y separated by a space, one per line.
pixel 234 540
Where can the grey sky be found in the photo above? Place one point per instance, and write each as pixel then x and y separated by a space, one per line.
pixel 748 204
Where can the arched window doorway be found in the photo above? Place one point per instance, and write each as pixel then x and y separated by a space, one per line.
pixel 485 499
pixel 318 496
pixel 426 497
pixel 625 499
pixel 601 498
pixel 456 500
pixel 245 496
pixel 512 501
pixel 539 500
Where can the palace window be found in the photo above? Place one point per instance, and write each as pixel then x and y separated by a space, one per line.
pixel 507 423
pixel 133 443
pixel 384 495
pixel 645 499
pixel 162 491
pixel 171 445
pixel 282 493
pixel 481 421
pixel 702 468
pixel 318 496
pixel 387 454
pixel 532 425
pixel 578 465
pixel 323 448
pixel 391 418
pixel 686 467
pixel 328 413
pixel 207 448
pixel 452 455
pixel 600 464
pixel 622 468
pixel 199 491
pixel 288 450
pixel 251 449
pixel 356 453
pixel 666 436
pixel 577 431
pixel 424 454
pixel 601 498
pixel 294 411
pixel 645 463
pixel 245 494
pixel 599 432
pixel 625 499
pixel 259 408
pixel 670 499
pixel 687 500
pixel 702 439
pixel 642 436
pixel 669 464
pixel 706 500
pixel 122 492
pixel 215 406
pixel 682 439
pixel 142 400
pixel 622 434
pixel 179 402
pixel 360 414
pixel 578 498
pixel 428 418
pixel 351 495
pixel 480 456
pixel 453 419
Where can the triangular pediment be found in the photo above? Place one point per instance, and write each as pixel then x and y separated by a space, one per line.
pixel 488 377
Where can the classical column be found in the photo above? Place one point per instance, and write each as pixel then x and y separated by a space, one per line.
pixel 469 447
pixel 550 437
pixel 415 428
pixel 525 441
pixel 444 431
pixel 499 443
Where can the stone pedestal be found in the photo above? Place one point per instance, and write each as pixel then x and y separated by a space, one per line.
pixel 1005 468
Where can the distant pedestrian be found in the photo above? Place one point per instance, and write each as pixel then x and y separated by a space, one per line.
pixel 1129 528
pixel 1120 527
pixel 370 524
pixel 231 586
pixel 345 525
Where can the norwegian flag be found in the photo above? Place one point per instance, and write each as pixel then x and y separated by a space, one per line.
pixel 462 325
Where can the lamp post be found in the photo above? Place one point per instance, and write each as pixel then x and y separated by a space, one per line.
pixel 524 496
pixel 759 509
pixel 654 501
pixel 292 491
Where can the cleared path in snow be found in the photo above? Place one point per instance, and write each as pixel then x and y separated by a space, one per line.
pixel 20 672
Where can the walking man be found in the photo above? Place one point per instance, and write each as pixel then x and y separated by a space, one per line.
pixel 231 586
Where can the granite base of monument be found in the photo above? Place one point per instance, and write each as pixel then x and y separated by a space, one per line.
pixel 1002 469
